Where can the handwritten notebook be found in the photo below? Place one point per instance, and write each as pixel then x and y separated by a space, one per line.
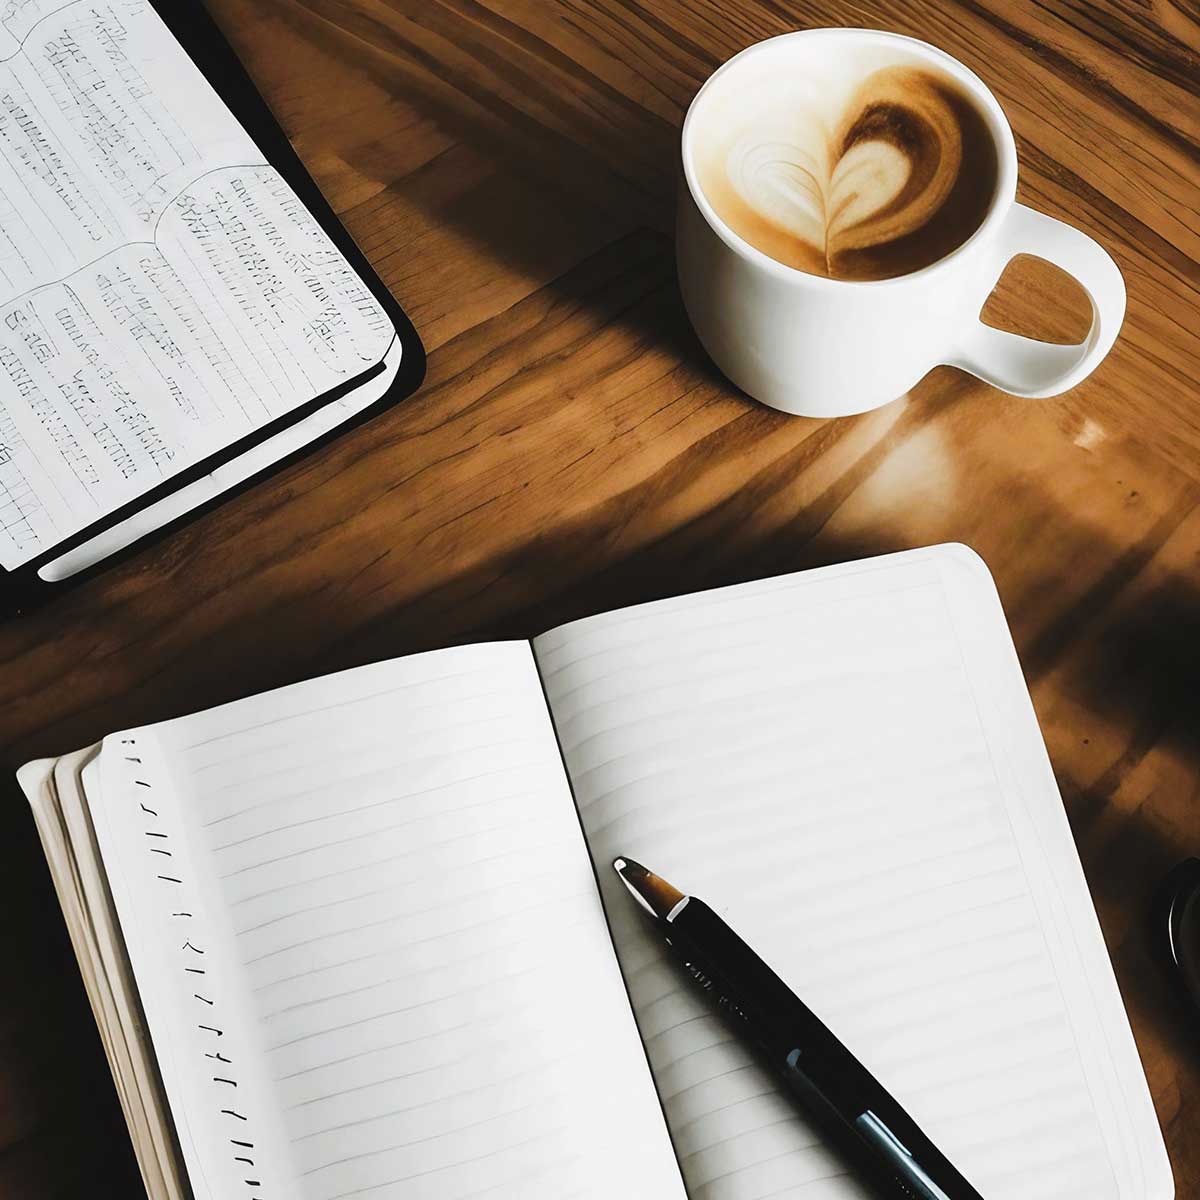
pixel 179 308
pixel 345 939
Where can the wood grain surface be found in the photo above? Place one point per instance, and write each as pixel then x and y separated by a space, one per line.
pixel 508 166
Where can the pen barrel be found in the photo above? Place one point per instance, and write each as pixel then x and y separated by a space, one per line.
pixel 862 1117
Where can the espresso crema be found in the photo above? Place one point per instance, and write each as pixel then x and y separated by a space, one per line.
pixel 852 174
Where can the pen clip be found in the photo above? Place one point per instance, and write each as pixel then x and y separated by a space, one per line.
pixel 914 1178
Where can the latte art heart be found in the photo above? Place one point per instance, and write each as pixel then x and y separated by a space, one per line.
pixel 902 175
pixel 784 184
pixel 868 177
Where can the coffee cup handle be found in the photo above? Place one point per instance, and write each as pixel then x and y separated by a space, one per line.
pixel 1024 366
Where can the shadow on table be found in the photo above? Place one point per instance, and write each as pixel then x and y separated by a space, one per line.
pixel 1143 670
pixel 60 1124
pixel 581 121
pixel 577 166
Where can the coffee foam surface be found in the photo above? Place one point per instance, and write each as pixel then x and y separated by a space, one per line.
pixel 855 166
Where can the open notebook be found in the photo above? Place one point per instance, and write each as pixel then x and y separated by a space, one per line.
pixel 179 307
pixel 345 939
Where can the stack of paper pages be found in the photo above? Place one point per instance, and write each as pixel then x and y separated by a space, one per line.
pixel 346 939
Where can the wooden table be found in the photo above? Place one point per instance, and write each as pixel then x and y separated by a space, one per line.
pixel 508 166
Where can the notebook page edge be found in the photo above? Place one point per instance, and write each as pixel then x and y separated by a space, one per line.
pixel 37 780
pixel 1057 840
pixel 551 638
pixel 225 477
pixel 297 687
pixel 165 1150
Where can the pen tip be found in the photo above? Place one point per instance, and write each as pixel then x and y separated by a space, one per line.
pixel 654 894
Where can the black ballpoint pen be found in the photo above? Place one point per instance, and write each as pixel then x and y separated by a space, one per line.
pixel 876 1136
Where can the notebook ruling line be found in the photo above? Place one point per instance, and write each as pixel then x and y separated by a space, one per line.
pixel 422 991
pixel 180 310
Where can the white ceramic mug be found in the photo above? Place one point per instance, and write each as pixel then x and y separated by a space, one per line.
pixel 824 347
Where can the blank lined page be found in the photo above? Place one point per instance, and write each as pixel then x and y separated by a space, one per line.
pixel 846 765
pixel 370 942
